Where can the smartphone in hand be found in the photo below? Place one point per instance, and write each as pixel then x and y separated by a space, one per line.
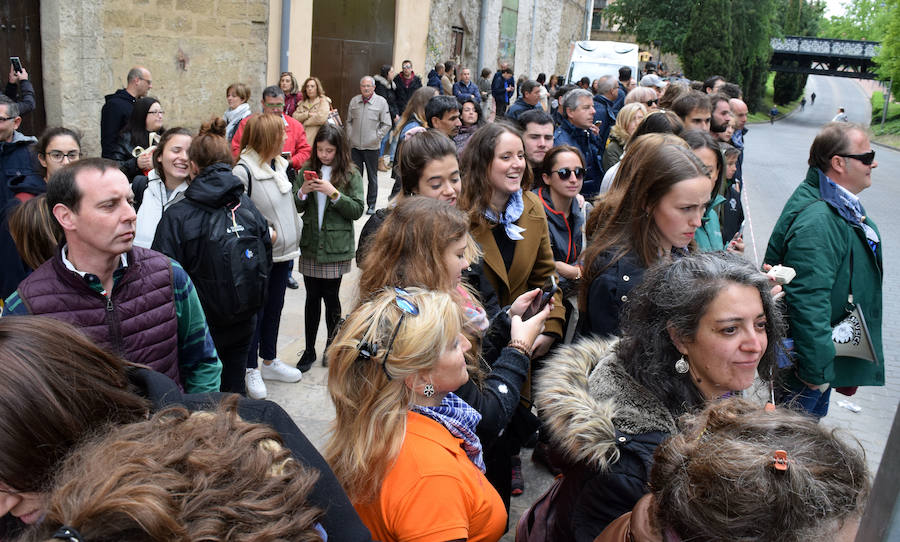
pixel 16 64
pixel 310 176
pixel 551 285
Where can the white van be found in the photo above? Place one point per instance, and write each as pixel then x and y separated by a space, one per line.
pixel 594 59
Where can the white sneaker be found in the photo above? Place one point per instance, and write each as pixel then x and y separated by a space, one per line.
pixel 280 371
pixel 256 388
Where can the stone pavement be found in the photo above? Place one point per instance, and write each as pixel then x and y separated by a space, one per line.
pixel 308 402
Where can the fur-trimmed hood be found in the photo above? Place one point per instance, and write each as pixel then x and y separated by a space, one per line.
pixel 585 397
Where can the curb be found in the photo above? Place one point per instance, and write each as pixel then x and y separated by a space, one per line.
pixel 885 145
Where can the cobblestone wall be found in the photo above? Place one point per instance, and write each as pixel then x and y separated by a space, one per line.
pixel 193 48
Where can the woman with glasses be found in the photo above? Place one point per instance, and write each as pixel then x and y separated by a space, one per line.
pixel 403 444
pixel 627 121
pixel 558 193
pixel 643 95
pixel 138 138
pixel 31 225
pixel 650 215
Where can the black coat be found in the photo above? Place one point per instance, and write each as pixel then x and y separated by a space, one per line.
pixel 608 293
pixel 386 89
pixel 113 117
pixel 403 92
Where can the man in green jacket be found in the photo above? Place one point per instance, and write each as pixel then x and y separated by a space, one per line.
pixel 824 234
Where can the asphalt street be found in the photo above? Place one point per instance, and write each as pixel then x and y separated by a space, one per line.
pixel 774 164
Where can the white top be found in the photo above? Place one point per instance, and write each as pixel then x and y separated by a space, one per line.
pixel 156 200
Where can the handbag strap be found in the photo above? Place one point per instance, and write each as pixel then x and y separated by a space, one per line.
pixel 249 179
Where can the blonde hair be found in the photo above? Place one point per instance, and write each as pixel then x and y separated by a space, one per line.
pixel 371 406
pixel 263 134
pixel 624 118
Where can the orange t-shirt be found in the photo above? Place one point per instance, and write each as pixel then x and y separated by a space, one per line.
pixel 433 492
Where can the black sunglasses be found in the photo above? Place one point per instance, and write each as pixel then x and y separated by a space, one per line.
pixel 866 158
pixel 651 103
pixel 564 173
pixel 369 350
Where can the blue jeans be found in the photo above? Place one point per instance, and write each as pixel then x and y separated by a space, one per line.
pixel 265 336
pixel 806 400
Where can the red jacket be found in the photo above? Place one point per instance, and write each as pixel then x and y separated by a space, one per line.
pixel 295 144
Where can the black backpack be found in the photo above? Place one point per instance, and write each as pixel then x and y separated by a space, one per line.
pixel 237 254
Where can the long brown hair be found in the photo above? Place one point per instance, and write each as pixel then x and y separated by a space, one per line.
pixel 475 162
pixel 342 167
pixel 184 476
pixel 409 247
pixel 156 157
pixel 56 387
pixel 35 231
pixel 622 220
pixel 320 92
pixel 415 108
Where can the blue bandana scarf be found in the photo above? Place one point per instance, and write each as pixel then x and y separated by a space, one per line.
pixel 849 209
pixel 460 419
pixel 514 208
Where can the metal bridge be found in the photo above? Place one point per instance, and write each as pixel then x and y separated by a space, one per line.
pixel 820 56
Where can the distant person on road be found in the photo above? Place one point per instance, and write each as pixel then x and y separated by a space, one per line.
pixel 812 99
pixel 824 233
pixel 803 103
pixel 841 116
pixel 772 114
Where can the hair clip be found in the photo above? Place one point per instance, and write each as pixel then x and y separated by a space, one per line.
pixel 780 461
pixel 68 534
pixel 367 350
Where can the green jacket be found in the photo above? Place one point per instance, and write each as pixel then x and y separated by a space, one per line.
pixel 812 237
pixel 336 240
pixel 709 235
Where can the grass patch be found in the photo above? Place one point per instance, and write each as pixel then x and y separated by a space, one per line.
pixel 889 134
pixel 769 102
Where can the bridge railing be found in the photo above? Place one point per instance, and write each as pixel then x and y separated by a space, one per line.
pixel 825 47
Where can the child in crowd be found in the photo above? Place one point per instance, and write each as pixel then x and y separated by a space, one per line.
pixel 330 199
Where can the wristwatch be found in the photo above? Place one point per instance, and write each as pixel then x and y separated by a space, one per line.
pixel 334 195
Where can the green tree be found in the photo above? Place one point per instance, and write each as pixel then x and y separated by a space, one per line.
pixel 753 24
pixel 863 20
pixel 888 59
pixel 662 21
pixel 797 18
pixel 707 49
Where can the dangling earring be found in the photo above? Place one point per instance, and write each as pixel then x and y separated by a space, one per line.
pixel 428 391
pixel 682 366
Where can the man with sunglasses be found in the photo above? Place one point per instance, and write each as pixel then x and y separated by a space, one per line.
pixel 825 235
pixel 18 181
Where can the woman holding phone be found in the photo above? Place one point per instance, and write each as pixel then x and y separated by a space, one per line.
pixel 330 199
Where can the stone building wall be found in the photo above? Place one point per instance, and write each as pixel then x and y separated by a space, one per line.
pixel 193 48
pixel 559 24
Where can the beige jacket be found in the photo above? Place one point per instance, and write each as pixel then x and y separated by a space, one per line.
pixel 313 114
pixel 367 123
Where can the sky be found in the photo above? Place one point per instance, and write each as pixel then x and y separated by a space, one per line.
pixel 834 7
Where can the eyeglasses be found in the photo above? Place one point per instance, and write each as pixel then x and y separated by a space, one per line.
pixel 866 158
pixel 4 119
pixel 160 112
pixel 149 81
pixel 407 66
pixel 369 350
pixel 274 106
pixel 651 103
pixel 564 173
pixel 57 156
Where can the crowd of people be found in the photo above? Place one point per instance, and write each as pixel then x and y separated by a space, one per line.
pixel 558 267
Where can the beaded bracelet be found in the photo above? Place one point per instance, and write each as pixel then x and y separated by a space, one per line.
pixel 519 344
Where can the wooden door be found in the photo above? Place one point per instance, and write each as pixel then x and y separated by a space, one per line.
pixel 20 35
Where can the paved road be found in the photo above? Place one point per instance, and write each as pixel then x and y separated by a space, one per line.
pixel 774 164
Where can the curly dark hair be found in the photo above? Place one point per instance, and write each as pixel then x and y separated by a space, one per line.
pixel 183 476
pixel 716 480
pixel 674 297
